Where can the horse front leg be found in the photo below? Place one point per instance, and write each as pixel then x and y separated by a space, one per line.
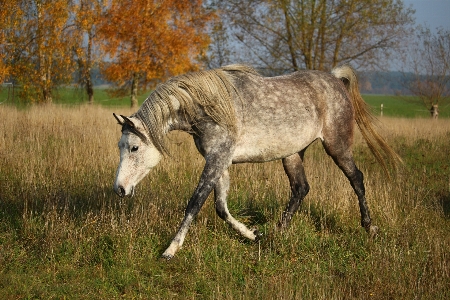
pixel 220 198
pixel 215 165
pixel 293 166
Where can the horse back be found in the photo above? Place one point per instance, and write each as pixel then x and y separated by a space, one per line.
pixel 279 116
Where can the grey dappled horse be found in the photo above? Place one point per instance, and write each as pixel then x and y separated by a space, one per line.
pixel 236 115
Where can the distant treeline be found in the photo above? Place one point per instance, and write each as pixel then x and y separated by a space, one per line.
pixel 386 83
pixel 371 82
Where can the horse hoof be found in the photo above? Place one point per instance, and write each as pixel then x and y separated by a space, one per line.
pixel 282 225
pixel 372 231
pixel 258 235
pixel 167 256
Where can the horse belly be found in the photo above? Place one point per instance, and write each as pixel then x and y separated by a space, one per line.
pixel 257 145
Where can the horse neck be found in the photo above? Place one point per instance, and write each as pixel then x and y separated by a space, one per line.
pixel 180 122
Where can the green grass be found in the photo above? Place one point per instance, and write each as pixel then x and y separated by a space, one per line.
pixel 394 106
pixel 402 106
pixel 65 234
pixel 75 96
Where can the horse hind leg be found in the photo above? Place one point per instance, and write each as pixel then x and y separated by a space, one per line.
pixel 343 158
pixel 220 198
pixel 293 166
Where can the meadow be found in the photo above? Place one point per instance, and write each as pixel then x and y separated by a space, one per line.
pixel 65 234
pixel 393 106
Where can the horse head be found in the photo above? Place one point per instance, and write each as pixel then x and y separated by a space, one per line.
pixel 138 155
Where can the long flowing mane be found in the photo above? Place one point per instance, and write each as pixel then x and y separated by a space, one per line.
pixel 209 90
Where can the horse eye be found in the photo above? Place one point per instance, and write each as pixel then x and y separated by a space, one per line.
pixel 134 148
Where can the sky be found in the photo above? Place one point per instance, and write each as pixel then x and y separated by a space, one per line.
pixel 433 13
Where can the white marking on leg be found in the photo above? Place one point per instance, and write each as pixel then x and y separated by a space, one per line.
pixel 221 193
pixel 178 240
pixel 241 228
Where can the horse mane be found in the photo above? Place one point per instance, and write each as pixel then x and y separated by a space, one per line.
pixel 210 90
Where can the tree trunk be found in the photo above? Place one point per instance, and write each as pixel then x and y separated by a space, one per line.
pixel 90 90
pixel 44 66
pixel 289 36
pixel 89 84
pixel 134 91
pixel 45 73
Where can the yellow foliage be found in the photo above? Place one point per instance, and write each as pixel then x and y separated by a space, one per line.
pixel 154 39
pixel 39 44
pixel 42 42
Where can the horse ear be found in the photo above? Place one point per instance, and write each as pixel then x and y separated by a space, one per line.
pixel 118 120
pixel 127 121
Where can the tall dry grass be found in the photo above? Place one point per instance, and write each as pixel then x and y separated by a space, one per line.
pixel 63 232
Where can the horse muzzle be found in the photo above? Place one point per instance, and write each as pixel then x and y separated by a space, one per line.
pixel 121 192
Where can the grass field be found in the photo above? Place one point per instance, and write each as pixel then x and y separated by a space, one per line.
pixel 393 106
pixel 72 97
pixel 403 106
pixel 65 234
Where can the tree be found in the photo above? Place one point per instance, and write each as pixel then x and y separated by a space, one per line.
pixel 285 35
pixel 148 41
pixel 6 21
pixel 428 63
pixel 39 41
pixel 219 53
pixel 87 15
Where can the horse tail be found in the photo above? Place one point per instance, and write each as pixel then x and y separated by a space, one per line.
pixel 365 120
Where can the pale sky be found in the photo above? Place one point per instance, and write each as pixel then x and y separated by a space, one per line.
pixel 433 13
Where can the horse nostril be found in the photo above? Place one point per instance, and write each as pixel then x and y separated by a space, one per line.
pixel 120 191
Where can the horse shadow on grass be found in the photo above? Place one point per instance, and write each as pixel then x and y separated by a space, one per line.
pixel 256 215
pixel 37 204
pixel 322 219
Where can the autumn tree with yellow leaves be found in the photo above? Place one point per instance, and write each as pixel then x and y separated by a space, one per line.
pixel 139 42
pixel 38 42
pixel 149 41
